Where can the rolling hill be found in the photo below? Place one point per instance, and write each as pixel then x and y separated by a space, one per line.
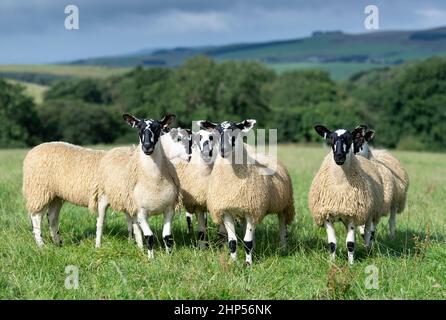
pixel 340 54
pixel 387 47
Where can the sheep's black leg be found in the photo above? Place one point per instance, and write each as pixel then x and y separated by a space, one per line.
pixel 248 240
pixel 350 242
pixel 167 232
pixel 232 238
pixel 190 228
pixel 148 234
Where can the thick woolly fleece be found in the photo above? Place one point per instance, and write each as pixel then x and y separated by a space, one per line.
pixel 400 176
pixel 60 170
pixel 241 190
pixel 130 180
pixel 194 178
pixel 352 192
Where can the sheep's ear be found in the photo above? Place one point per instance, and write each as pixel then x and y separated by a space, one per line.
pixel 322 131
pixel 369 135
pixel 167 120
pixel 131 120
pixel 246 125
pixel 206 125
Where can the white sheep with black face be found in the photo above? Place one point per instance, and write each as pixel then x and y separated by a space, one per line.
pixel 239 189
pixel 396 179
pixel 346 188
pixel 194 177
pixel 140 181
pixel 176 143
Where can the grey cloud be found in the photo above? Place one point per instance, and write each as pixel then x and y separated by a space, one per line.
pixel 32 30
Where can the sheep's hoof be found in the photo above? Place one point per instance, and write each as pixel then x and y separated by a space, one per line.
pixel 248 264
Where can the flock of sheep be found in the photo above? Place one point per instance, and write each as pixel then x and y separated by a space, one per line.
pixel 212 171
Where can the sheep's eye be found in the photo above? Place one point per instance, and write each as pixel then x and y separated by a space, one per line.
pixel 211 138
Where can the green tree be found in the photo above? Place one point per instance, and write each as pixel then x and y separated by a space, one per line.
pixel 19 124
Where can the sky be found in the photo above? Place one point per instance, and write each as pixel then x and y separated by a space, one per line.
pixel 33 31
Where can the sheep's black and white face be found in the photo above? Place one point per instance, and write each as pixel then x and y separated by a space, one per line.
pixel 223 135
pixel 340 140
pixel 149 130
pixel 181 143
pixel 205 140
pixel 361 140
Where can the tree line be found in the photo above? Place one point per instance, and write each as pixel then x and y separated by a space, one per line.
pixel 405 104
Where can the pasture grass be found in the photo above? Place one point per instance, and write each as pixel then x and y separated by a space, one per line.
pixel 338 70
pixel 65 70
pixel 33 90
pixel 413 266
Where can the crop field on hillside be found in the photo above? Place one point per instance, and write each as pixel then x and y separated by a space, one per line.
pixel 412 266
pixel 63 70
pixel 337 70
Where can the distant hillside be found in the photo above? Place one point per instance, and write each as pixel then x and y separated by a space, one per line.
pixel 342 55
pixel 46 74
pixel 380 48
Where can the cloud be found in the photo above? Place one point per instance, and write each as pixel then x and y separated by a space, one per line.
pixel 33 30
pixel 183 22
pixel 432 16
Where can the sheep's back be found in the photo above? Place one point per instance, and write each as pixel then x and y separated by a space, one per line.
pixel 389 187
pixel 117 177
pixel 241 189
pixel 400 175
pixel 59 169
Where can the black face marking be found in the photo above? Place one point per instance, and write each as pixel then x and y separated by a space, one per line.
pixel 332 247
pixel 149 134
pixel 228 131
pixel 350 246
pixel 232 245
pixel 341 142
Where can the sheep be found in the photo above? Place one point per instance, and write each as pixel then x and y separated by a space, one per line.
pixel 176 146
pixel 241 189
pixel 140 181
pixel 398 175
pixel 54 172
pixel 346 188
pixel 194 176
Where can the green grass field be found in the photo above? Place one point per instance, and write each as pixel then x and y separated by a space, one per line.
pixel 413 266
pixel 33 90
pixel 64 70
pixel 337 70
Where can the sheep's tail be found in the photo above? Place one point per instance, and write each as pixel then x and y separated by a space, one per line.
pixel 94 199
pixel 289 213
